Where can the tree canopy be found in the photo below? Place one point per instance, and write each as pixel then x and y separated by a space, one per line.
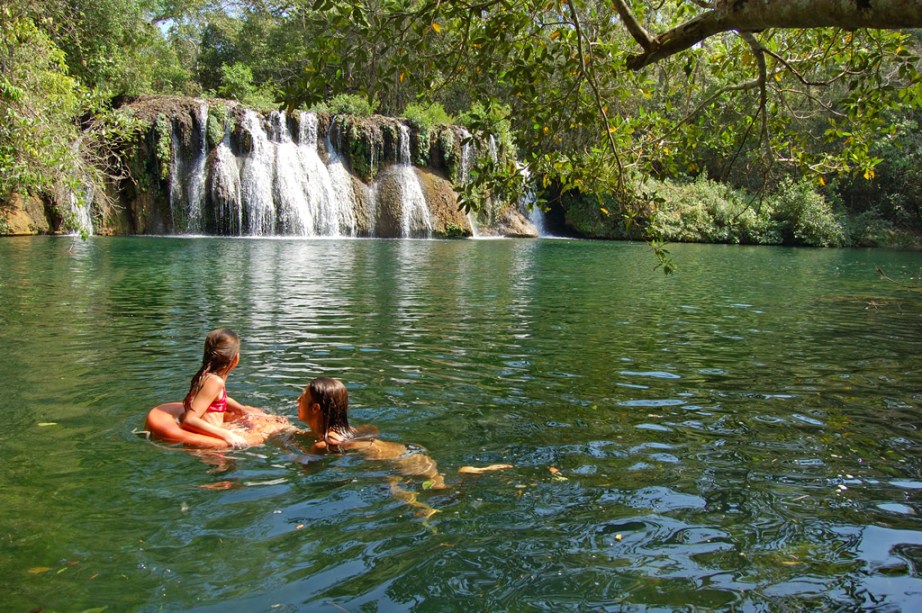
pixel 598 96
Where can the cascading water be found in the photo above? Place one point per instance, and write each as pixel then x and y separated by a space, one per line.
pixel 415 218
pixel 189 175
pixel 256 180
pixel 177 174
pixel 272 175
pixel 329 186
pixel 83 220
pixel 528 204
pixel 468 157
pixel 198 174
pixel 296 215
pixel 225 187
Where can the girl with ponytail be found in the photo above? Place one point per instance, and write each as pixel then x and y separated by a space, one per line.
pixel 205 405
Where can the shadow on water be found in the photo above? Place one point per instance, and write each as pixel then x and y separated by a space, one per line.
pixel 740 435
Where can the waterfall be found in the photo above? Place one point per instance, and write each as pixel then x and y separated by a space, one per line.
pixel 177 172
pixel 256 180
pixel 329 186
pixel 198 174
pixel 528 203
pixel 279 174
pixel 468 157
pixel 415 218
pixel 296 215
pixel 225 190
pixel 83 219
pixel 188 176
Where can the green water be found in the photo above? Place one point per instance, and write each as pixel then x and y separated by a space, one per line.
pixel 741 435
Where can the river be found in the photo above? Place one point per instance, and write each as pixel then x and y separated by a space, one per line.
pixel 742 434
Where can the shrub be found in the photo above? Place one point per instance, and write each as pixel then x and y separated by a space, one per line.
pixel 217 118
pixel 163 145
pixel 347 104
pixel 422 119
pixel 453 230
pixel 805 216
pixel 237 84
pixel 425 117
pixel 707 211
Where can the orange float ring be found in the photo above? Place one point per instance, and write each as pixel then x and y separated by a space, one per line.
pixel 163 425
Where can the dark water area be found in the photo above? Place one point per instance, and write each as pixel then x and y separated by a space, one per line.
pixel 741 435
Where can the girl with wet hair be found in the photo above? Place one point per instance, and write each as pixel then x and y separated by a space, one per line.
pixel 207 403
pixel 324 407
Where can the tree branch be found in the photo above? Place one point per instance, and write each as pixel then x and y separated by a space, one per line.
pixel 587 74
pixel 757 15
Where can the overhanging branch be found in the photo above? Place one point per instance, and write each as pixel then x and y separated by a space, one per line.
pixel 757 15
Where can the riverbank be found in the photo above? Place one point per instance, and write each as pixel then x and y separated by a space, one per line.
pixel 706 211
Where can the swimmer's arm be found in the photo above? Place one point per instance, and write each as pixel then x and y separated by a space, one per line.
pixel 192 420
pixel 242 409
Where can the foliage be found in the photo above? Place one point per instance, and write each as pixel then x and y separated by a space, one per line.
pixel 111 45
pixel 805 216
pixel 423 118
pixel 347 104
pixel 38 104
pixel 707 211
pixel 426 116
pixel 491 120
pixel 217 119
pixel 163 145
pixel 453 230
pixel 237 84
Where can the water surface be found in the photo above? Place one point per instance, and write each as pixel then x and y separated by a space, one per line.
pixel 742 434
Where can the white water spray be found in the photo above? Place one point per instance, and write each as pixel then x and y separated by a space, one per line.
pixel 198 175
pixel 226 186
pixel 256 180
pixel 331 196
pixel 415 219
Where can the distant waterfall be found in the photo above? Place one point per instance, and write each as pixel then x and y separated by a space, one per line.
pixel 287 174
pixel 528 204
pixel 256 180
pixel 296 215
pixel 279 185
pixel 415 218
pixel 83 220
pixel 225 187
pixel 468 157
pixel 332 199
pixel 341 180
pixel 177 174
pixel 189 175
pixel 198 174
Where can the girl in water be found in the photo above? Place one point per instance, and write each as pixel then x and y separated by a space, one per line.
pixel 207 418
pixel 207 402
pixel 324 407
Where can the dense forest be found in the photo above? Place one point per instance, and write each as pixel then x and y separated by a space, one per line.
pixel 745 122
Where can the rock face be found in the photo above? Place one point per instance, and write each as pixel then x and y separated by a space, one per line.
pixel 26 215
pixel 215 167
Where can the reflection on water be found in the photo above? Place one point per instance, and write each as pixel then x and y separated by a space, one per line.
pixel 741 434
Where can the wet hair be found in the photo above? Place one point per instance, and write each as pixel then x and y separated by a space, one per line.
pixel 333 398
pixel 221 347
